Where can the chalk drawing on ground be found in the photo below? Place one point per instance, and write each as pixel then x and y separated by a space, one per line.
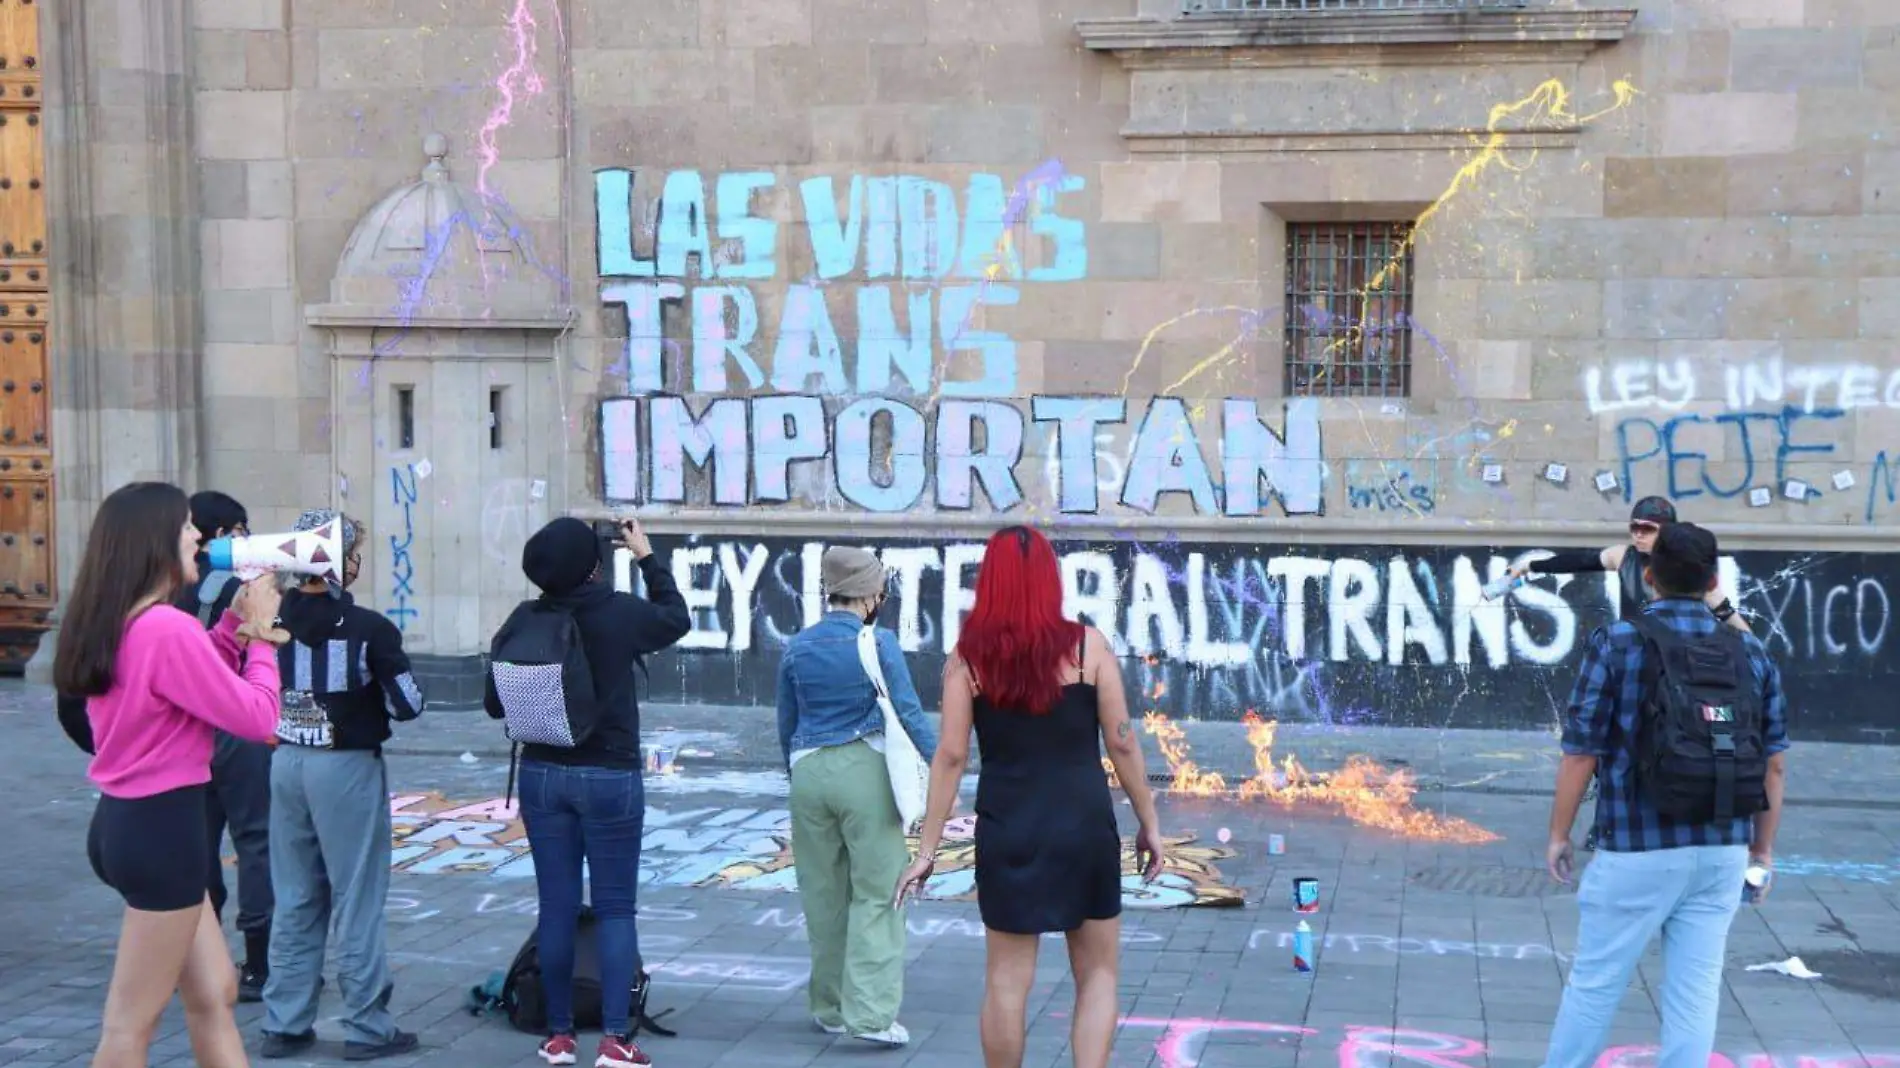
pixel 744 848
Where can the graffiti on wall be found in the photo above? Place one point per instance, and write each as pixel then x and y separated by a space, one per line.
pixel 875 413
pixel 1686 430
pixel 402 566
pixel 745 849
pixel 1298 634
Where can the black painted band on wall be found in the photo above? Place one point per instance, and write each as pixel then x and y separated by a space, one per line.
pixel 1342 634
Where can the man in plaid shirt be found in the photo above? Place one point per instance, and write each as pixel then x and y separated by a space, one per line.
pixel 1651 873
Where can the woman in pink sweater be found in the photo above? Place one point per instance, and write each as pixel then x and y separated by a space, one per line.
pixel 156 685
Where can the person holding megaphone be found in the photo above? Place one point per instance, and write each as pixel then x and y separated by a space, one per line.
pixel 155 687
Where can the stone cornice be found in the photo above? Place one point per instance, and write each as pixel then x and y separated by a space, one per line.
pixel 1231 143
pixel 1343 37
pixel 345 316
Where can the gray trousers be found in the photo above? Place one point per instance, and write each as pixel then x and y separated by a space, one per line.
pixel 329 860
pixel 240 799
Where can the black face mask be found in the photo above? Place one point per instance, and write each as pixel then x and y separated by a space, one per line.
pixel 870 618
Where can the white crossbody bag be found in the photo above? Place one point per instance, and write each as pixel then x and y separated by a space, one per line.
pixel 910 776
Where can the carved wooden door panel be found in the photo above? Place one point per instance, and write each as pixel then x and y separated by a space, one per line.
pixel 27 573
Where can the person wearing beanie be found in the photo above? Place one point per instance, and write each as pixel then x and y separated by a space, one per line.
pixel 345 678
pixel 848 841
pixel 586 804
pixel 1634 592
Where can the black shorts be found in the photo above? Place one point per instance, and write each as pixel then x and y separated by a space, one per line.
pixel 152 850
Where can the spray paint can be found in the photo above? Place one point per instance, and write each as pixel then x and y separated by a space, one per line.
pixel 1276 845
pixel 1754 881
pixel 1303 948
pixel 1500 586
pixel 1306 894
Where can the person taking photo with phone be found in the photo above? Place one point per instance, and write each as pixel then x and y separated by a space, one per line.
pixel 583 798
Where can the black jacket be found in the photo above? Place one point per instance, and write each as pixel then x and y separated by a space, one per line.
pixel 617 629
pixel 351 663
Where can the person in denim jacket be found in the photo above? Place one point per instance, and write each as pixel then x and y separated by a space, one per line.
pixel 847 837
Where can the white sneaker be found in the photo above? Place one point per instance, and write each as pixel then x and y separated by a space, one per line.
pixel 892 1036
pixel 827 1028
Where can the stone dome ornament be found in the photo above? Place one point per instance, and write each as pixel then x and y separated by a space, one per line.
pixel 434 253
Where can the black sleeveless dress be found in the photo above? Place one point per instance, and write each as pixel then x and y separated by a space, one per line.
pixel 1048 852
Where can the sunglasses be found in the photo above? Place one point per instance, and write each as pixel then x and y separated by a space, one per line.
pixel 1645 528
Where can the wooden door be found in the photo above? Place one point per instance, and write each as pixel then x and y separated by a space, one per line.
pixel 27 574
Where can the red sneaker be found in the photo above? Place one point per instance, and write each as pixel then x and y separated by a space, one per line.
pixel 617 1052
pixel 558 1049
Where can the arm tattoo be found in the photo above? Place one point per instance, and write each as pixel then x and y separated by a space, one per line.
pixel 1121 729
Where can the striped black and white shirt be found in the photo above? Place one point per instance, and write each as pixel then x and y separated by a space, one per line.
pixel 346 677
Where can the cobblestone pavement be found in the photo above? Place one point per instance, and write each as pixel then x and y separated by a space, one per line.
pixel 1431 953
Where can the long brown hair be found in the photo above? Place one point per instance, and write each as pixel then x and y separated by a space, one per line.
pixel 131 554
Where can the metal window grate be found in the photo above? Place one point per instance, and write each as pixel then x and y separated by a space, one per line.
pixel 1348 309
pixel 1226 7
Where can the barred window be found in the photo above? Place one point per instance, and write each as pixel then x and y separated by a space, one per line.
pixel 1348 309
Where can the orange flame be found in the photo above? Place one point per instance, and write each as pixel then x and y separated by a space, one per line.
pixel 1364 791
pixel 1188 777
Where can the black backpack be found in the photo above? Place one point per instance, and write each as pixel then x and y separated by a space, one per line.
pixel 538 673
pixel 1701 750
pixel 525 999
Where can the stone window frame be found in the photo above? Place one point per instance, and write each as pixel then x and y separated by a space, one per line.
pixel 1380 273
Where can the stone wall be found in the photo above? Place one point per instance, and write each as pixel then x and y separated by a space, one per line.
pixel 1656 249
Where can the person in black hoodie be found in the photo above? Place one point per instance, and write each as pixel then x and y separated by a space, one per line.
pixel 345 678
pixel 589 802
pixel 240 770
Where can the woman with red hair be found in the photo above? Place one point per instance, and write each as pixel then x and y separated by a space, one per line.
pixel 1040 690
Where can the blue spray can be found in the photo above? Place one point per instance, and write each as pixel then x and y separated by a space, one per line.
pixel 1303 948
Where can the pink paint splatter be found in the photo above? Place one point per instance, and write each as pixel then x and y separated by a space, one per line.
pixel 1368 1046
pixel 518 81
pixel 1182 1040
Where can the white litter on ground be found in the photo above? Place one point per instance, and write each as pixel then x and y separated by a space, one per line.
pixel 1793 966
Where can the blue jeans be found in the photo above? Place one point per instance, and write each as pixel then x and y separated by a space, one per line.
pixel 572 814
pixel 1689 895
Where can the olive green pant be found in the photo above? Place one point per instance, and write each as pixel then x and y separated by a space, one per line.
pixel 848 850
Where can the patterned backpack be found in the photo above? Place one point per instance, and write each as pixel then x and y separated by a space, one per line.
pixel 539 674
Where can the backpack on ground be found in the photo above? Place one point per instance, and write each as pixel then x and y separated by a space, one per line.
pixel 541 677
pixel 1701 749
pixel 523 996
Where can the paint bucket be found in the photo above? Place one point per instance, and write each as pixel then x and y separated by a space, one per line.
pixel 1306 894
pixel 660 759
pixel 1276 845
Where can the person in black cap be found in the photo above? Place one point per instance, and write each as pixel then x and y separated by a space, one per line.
pixel 589 801
pixel 1631 563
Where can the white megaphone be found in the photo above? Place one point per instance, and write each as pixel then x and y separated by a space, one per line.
pixel 316 552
